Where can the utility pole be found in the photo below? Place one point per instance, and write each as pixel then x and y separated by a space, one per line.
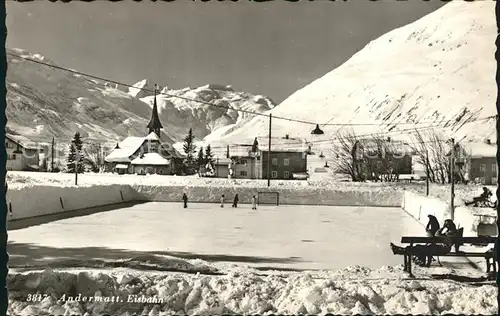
pixel 427 170
pixel 77 158
pixel 452 179
pixel 99 157
pixel 52 156
pixel 269 154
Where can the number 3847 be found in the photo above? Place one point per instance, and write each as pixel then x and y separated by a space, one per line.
pixel 35 297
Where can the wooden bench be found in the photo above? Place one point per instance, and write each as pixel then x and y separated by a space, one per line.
pixel 457 241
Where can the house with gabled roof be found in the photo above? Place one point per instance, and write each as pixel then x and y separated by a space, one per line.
pixel 22 153
pixel 236 160
pixel 287 157
pixel 145 155
pixel 478 161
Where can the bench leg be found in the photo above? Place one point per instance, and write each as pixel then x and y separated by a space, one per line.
pixel 439 262
pixel 488 265
pixel 409 267
pixel 405 269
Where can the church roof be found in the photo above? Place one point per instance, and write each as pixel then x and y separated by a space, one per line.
pixel 128 147
pixel 151 159
pixel 152 136
pixel 154 123
pixel 131 144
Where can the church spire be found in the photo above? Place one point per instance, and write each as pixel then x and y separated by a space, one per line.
pixel 154 124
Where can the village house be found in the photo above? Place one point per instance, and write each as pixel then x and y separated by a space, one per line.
pixel 288 158
pixel 383 157
pixel 478 161
pixel 238 161
pixel 145 155
pixel 22 153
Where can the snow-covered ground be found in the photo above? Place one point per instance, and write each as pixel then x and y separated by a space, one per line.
pixel 299 237
pixel 238 244
pixel 19 179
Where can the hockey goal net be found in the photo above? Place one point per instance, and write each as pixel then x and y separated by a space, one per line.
pixel 268 198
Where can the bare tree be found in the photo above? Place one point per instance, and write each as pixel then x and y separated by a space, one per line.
pixel 345 157
pixel 375 158
pixel 93 156
pixel 434 153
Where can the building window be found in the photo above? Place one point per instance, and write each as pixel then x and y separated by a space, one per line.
pixel 286 161
pixel 286 175
pixel 243 162
pixel 11 157
pixel 243 173
pixel 494 168
pixel 274 174
pixel 482 168
pixel 275 161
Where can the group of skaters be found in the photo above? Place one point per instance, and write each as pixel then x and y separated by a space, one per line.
pixel 432 229
pixel 223 199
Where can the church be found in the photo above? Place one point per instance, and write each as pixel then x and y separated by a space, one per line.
pixel 145 155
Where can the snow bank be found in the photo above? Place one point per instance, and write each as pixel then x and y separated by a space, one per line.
pixel 350 291
pixel 30 201
pixel 420 206
pixel 292 196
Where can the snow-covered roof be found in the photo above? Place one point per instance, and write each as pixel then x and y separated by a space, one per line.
pixel 22 141
pixel 152 136
pixel 121 166
pixel 281 144
pixel 131 144
pixel 222 161
pixel 479 150
pixel 127 148
pixel 154 159
pixel 235 150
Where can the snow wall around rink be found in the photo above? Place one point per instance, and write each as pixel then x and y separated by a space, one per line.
pixel 388 197
pixel 32 201
pixel 420 206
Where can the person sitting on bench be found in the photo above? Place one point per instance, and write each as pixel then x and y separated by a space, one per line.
pixel 483 197
pixel 421 252
pixel 432 226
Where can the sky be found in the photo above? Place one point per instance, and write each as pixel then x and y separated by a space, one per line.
pixel 272 48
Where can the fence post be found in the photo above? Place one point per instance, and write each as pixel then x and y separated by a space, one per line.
pixel 121 194
pixel 61 201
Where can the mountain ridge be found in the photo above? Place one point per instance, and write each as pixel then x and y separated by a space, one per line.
pixel 46 102
pixel 439 69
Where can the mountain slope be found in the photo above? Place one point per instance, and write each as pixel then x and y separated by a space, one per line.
pixel 438 70
pixel 44 102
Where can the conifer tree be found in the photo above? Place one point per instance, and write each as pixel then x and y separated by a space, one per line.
pixel 209 156
pixel 200 161
pixel 75 148
pixel 189 149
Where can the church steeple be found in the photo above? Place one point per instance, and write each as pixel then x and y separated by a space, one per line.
pixel 154 124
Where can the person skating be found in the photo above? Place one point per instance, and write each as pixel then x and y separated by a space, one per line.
pixel 222 201
pixel 235 201
pixel 185 199
pixel 254 203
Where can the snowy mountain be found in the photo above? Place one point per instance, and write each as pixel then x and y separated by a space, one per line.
pixel 439 71
pixel 44 102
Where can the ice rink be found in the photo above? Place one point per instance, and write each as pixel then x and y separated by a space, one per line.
pixel 297 237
